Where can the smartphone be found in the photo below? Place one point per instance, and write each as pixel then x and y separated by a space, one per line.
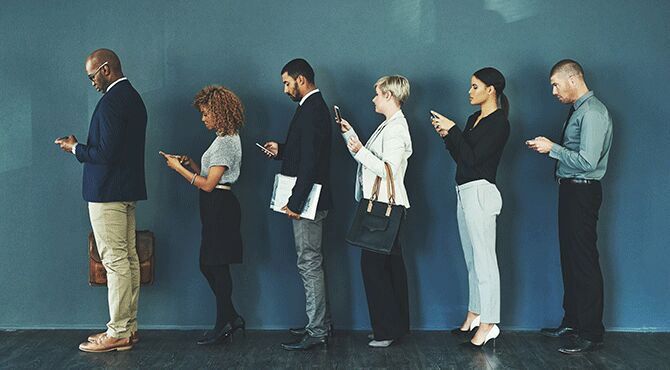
pixel 432 115
pixel 338 116
pixel 265 150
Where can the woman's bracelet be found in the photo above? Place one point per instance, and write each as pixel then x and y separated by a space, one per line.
pixel 193 178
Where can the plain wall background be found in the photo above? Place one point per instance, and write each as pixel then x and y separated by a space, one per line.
pixel 171 49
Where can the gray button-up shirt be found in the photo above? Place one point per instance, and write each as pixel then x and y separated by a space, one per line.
pixel 587 141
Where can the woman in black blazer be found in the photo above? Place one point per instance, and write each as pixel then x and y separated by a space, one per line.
pixel 220 214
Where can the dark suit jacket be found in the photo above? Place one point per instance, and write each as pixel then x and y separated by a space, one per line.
pixel 306 152
pixel 113 155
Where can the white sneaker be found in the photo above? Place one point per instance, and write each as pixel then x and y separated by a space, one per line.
pixel 380 343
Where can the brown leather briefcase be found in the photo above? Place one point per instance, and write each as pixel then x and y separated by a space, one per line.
pixel 97 275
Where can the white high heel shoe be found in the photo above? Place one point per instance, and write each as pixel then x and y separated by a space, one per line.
pixel 474 324
pixel 491 335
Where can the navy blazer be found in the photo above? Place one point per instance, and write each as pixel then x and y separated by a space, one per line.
pixel 113 155
pixel 306 152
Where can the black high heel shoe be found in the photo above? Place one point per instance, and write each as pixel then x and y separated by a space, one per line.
pixel 235 325
pixel 213 337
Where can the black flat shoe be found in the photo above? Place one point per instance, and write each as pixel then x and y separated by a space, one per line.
pixel 561 331
pixel 307 342
pixel 579 346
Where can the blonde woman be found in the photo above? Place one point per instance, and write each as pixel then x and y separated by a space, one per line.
pixel 384 276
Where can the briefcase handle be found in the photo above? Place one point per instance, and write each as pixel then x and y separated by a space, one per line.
pixel 390 190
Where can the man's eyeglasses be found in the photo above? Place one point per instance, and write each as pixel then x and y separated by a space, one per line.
pixel 92 75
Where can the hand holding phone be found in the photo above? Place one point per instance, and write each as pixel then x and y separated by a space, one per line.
pixel 267 152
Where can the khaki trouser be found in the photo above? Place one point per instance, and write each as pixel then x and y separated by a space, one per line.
pixel 114 229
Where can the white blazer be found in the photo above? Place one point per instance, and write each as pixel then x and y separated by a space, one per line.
pixel 390 143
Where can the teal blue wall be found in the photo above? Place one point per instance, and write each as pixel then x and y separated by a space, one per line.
pixel 170 49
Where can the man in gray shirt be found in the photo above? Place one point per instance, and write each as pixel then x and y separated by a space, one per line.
pixel 581 162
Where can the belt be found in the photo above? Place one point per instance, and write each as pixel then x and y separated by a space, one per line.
pixel 223 186
pixel 562 180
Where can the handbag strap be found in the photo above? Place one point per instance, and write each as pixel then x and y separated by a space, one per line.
pixel 390 190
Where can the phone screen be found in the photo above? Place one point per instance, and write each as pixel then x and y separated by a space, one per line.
pixel 338 117
pixel 263 149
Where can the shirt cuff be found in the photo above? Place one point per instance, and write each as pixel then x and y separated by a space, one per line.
pixel 555 151
pixel 74 149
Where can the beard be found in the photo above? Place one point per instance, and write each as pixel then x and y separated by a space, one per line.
pixel 295 93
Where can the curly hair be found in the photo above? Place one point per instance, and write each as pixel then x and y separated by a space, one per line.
pixel 224 105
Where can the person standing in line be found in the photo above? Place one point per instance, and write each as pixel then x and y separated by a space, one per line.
pixel 221 244
pixel 384 276
pixel 477 150
pixel 306 155
pixel 113 182
pixel 581 162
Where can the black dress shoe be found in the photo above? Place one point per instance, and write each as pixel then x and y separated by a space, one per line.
pixel 300 332
pixel 307 342
pixel 581 345
pixel 561 331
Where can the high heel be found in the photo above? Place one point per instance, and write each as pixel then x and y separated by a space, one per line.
pixel 474 324
pixel 235 325
pixel 493 334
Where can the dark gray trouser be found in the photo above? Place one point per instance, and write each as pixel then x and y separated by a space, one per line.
pixel 308 241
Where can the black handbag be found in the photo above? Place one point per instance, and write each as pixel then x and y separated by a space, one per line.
pixel 376 224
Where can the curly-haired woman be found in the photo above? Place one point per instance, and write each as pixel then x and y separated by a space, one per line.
pixel 221 245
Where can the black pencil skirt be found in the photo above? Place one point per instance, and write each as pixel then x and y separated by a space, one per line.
pixel 220 215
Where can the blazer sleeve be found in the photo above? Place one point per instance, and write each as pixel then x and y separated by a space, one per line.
pixel 107 150
pixel 394 147
pixel 311 138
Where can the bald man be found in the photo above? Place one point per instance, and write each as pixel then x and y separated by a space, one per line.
pixel 113 181
pixel 581 161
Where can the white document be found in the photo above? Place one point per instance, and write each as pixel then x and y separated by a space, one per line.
pixel 282 190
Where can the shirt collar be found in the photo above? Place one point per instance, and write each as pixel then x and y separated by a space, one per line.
pixel 396 115
pixel 308 95
pixel 582 99
pixel 115 82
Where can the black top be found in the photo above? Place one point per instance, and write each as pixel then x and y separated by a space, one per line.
pixel 306 152
pixel 477 151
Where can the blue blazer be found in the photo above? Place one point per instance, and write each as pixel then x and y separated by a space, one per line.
pixel 113 155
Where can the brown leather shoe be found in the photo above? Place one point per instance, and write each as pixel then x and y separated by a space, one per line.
pixel 134 337
pixel 105 343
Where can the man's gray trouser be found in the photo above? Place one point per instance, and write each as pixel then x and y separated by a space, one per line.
pixel 308 245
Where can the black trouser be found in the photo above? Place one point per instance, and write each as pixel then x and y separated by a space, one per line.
pixel 221 283
pixel 385 281
pixel 578 206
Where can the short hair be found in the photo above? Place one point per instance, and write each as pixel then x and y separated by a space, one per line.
pixel 397 85
pixel 299 67
pixel 568 66
pixel 226 107
pixel 106 55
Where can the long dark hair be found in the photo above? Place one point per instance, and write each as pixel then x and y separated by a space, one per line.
pixel 492 77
